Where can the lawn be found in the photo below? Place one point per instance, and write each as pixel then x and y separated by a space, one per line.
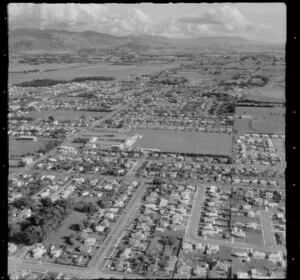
pixel 185 142
pixel 254 237
pixel 57 238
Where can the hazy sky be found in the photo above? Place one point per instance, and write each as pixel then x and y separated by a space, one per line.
pixel 258 21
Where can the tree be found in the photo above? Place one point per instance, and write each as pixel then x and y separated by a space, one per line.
pixel 158 181
pixel 13 230
pixel 24 202
pixel 46 202
pixel 32 235
pixel 37 220
pixel 51 119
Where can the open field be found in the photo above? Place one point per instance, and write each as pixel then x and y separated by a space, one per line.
pixel 63 114
pixel 268 126
pixel 265 93
pixel 22 147
pixel 264 120
pixel 195 76
pixel 185 142
pixel 57 237
pixel 116 71
pixel 243 126
pixel 260 111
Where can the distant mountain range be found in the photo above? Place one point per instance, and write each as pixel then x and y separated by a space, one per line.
pixel 58 40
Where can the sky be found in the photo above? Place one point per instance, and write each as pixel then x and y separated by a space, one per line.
pixel 255 21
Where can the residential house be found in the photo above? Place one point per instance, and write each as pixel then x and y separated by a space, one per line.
pixel 55 253
pixel 184 269
pixel 242 275
pixel 12 248
pixel 126 254
pixel 100 228
pixel 275 257
pixel 200 271
pixel 90 241
pixel 171 264
pixel 38 251
pixel 187 246
pixel 259 255
pixel 212 249
pixel 200 246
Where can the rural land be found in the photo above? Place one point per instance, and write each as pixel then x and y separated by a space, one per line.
pixel 144 157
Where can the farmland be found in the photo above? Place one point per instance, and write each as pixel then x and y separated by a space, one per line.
pixel 116 71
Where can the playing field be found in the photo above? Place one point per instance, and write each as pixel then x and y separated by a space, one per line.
pixel 185 142
pixel 263 120
pixel 267 93
pixel 269 126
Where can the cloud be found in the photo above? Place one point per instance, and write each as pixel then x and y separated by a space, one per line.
pixel 226 19
pixel 199 20
pixel 217 21
pixel 62 16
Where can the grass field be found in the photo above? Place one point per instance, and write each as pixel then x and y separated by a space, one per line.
pixel 63 114
pixel 259 111
pixel 243 126
pixel 57 237
pixel 20 148
pixel 269 126
pixel 185 142
pixel 266 93
pixel 264 120
pixel 255 237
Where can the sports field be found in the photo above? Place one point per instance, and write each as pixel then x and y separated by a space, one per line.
pixel 185 142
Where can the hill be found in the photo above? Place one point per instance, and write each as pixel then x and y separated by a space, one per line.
pixel 23 40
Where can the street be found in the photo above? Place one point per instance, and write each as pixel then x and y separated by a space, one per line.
pixel 192 229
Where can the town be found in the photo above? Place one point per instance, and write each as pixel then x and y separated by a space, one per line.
pixel 177 172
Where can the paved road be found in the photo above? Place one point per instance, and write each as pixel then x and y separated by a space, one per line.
pixel 192 229
pixel 121 225
pixel 93 271
pixel 267 228
pixel 85 273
